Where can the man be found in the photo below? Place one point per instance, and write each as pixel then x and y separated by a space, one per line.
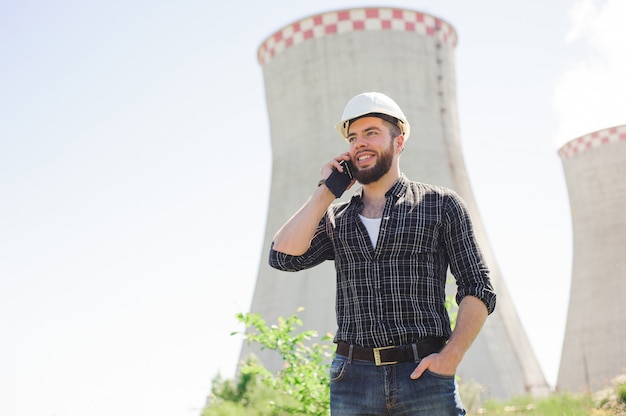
pixel 392 244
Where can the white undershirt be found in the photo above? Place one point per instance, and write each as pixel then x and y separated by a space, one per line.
pixel 373 226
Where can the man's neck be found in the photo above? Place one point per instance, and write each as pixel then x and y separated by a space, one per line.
pixel 374 194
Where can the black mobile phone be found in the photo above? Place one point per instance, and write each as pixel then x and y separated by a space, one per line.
pixel 337 182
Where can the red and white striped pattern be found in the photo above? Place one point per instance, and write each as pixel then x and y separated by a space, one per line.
pixel 593 140
pixel 363 19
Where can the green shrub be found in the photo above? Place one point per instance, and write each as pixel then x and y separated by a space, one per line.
pixel 621 393
pixel 300 388
pixel 303 384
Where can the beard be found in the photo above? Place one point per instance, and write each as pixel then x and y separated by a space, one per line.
pixel 382 166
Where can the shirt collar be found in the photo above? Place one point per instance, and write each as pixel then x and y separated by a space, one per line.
pixel 399 188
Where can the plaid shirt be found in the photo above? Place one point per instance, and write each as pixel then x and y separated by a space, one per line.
pixel 394 294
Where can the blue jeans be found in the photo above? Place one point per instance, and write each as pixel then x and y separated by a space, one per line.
pixel 360 388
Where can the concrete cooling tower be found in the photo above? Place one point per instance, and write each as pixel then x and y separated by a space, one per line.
pixel 311 69
pixel 594 345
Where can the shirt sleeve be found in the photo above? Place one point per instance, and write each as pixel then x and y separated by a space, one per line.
pixel 319 251
pixel 466 261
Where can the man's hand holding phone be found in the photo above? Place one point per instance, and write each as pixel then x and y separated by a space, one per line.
pixel 338 181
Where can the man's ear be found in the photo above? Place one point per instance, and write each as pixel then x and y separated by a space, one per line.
pixel 400 143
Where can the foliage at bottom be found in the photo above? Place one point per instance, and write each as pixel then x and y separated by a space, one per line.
pixel 299 388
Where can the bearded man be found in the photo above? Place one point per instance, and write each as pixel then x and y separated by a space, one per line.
pixel 392 245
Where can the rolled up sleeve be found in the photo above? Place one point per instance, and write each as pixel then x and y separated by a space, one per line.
pixel 319 251
pixel 466 261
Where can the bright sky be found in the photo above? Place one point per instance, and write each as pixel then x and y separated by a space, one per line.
pixel 135 166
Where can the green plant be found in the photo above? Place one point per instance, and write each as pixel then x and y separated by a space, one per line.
pixel 301 387
pixel 620 383
pixel 452 310
pixel 621 392
pixel 247 397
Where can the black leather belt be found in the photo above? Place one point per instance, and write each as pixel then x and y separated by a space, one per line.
pixel 392 354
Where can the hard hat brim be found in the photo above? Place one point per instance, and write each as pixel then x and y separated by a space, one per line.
pixel 343 126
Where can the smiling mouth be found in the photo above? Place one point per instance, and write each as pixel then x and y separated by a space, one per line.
pixel 363 160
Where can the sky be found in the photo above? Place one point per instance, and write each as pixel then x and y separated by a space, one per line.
pixel 135 165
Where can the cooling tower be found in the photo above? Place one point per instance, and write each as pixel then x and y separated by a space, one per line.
pixel 311 69
pixel 594 345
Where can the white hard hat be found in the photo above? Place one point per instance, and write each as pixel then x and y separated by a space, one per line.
pixel 372 102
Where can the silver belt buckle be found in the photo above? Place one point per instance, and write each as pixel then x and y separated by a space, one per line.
pixel 377 356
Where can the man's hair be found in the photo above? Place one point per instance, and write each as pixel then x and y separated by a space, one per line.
pixel 390 121
pixel 394 130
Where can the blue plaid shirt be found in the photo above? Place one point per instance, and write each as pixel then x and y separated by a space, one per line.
pixel 394 294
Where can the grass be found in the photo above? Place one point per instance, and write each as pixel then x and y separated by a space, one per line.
pixel 555 404
pixel 608 402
